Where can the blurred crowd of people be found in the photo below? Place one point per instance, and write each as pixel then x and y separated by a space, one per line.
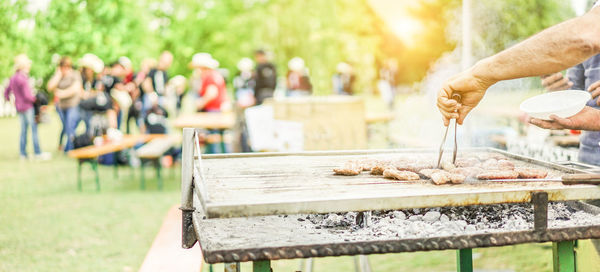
pixel 106 96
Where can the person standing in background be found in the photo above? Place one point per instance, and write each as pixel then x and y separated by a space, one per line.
pixel 135 111
pixel 387 82
pixel 298 82
pixel 90 65
pixel 585 77
pixel 212 97
pixel 24 99
pixel 157 78
pixel 66 85
pixel 343 80
pixel 244 85
pixel 265 77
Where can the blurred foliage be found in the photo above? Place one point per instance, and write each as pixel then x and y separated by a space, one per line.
pixel 12 42
pixel 499 24
pixel 323 33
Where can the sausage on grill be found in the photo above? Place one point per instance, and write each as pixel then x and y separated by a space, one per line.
pixel 498 174
pixel 531 173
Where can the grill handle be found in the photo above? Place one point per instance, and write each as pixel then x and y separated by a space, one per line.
pixel 593 179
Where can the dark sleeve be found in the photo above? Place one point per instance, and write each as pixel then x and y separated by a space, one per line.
pixel 576 74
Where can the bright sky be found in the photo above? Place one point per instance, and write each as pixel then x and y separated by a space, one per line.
pixel 396 16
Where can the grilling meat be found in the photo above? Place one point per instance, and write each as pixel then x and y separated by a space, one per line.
pixel 368 164
pixel 444 177
pixel 428 172
pixel 447 166
pixel 414 166
pixel 531 173
pixel 379 167
pixel 498 174
pixel 493 164
pixel 400 175
pixel 351 168
pixel 467 171
pixel 467 162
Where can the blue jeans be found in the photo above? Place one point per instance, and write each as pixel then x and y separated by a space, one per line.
pixel 71 119
pixel 62 121
pixel 27 119
pixel 86 116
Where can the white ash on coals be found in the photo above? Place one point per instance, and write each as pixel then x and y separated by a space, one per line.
pixel 447 221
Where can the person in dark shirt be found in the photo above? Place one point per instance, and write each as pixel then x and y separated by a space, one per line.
pixel 89 64
pixel 265 77
pixel 155 118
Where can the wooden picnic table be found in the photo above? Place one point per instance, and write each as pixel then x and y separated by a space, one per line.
pixel 206 120
pixel 91 153
pixel 378 117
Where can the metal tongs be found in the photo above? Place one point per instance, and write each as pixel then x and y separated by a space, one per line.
pixel 456 97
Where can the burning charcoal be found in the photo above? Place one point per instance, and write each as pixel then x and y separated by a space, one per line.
pixel 498 174
pixel 399 215
pixel 400 175
pixel 351 168
pixel 415 218
pixel 431 216
pixel 534 173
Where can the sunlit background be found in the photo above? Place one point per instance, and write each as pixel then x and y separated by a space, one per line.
pixel 45 225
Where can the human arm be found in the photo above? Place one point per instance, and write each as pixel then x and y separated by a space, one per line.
pixel 556 82
pixel 587 119
pixel 549 51
pixel 147 85
pixel 53 81
pixel 8 90
pixel 70 91
pixel 211 93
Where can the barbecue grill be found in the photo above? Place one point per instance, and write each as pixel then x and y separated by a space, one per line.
pixel 234 206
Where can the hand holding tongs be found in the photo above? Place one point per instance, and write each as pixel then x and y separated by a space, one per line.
pixel 456 97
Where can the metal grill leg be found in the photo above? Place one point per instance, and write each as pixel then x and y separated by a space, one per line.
pixel 563 255
pixel 464 260
pixel 79 175
pixel 158 176
pixel 142 176
pixel 232 267
pixel 95 167
pixel 261 266
pixel 306 265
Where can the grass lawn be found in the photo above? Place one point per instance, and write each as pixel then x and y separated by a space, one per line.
pixel 47 225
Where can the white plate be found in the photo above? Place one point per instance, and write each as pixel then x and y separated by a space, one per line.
pixel 563 104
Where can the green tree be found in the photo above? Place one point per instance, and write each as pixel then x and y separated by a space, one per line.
pixel 12 38
pixel 107 28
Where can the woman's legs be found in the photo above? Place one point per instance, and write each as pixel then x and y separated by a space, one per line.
pixel 30 114
pixel 61 115
pixel 23 139
pixel 71 121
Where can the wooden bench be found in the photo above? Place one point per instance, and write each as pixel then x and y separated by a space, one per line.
pixel 152 152
pixel 218 121
pixel 91 153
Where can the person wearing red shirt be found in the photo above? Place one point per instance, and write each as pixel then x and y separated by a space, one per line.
pixel 212 97
pixel 212 92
